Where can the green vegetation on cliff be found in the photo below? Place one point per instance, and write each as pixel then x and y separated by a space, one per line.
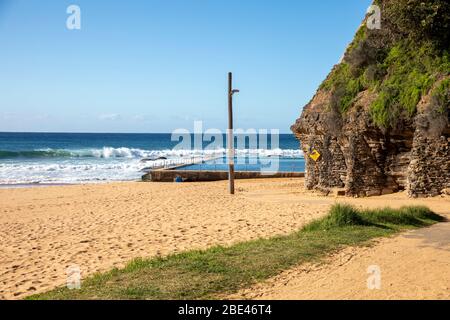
pixel 400 63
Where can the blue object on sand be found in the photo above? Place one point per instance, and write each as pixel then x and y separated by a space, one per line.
pixel 178 179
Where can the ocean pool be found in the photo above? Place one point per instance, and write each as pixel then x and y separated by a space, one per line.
pixel 271 164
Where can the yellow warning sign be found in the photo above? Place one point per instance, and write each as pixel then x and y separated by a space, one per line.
pixel 315 155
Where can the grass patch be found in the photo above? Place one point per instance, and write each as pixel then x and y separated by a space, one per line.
pixel 220 270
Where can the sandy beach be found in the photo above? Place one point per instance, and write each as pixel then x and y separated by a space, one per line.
pixel 97 227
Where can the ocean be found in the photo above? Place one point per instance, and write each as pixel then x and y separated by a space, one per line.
pixel 73 158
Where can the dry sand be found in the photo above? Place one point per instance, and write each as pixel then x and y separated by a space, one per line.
pixel 97 227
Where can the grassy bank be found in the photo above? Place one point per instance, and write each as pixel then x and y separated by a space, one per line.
pixel 219 270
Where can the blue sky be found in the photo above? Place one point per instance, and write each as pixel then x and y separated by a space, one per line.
pixel 158 65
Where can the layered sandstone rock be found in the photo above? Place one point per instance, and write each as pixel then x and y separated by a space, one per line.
pixel 365 160
pixel 358 155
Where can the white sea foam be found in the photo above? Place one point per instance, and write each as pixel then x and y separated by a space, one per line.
pixel 109 152
pixel 70 172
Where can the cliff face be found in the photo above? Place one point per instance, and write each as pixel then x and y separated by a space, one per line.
pixel 380 121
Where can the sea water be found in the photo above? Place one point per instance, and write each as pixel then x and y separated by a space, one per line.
pixel 55 158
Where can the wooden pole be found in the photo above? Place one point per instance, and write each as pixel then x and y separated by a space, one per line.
pixel 230 134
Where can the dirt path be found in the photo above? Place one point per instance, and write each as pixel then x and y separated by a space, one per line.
pixel 413 265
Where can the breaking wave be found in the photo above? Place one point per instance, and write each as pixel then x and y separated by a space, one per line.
pixel 131 153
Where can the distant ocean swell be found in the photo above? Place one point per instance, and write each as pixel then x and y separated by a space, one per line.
pixel 130 153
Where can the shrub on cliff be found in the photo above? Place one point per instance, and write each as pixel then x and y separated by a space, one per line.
pixel 420 20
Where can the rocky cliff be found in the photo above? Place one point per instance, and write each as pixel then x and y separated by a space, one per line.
pixel 381 120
